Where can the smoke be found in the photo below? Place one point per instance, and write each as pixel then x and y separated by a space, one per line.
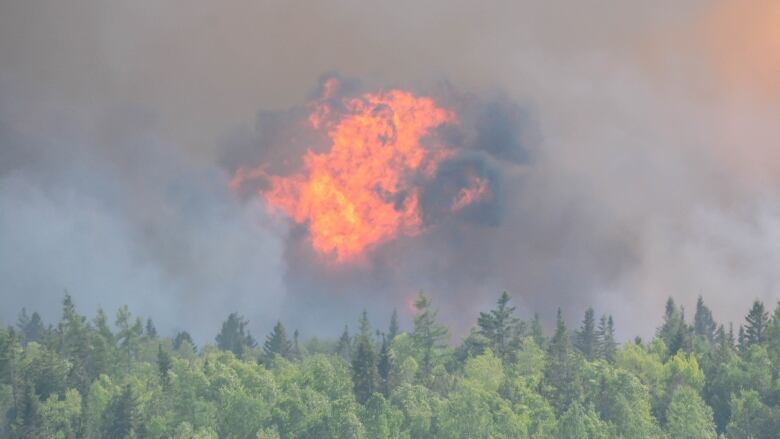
pixel 630 152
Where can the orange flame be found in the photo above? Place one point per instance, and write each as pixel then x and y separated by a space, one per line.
pixel 365 189
pixel 478 189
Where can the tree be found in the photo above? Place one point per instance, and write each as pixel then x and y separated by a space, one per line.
pixel 31 327
pixel 536 331
pixel 704 325
pixel 674 331
pixel 751 418
pixel 120 419
pixel 585 339
pixel 75 344
pixel 384 368
pixel 394 329
pixel 577 423
pixel 344 345
pixel 234 335
pixel 364 371
pixel 605 339
pixel 757 322
pixel 501 328
pixel 688 416
pixel 562 384
pixel 150 330
pixel 277 343
pixel 163 364
pixel 181 338
pixel 428 335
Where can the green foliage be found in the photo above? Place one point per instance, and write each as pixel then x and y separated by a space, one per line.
pixel 688 416
pixel 88 379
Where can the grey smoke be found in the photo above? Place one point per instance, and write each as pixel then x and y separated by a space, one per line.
pixel 626 170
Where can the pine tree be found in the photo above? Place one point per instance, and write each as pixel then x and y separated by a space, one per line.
pixel 163 364
pixel 364 370
pixel 742 343
pixel 344 345
pixel 234 336
pixel 394 329
pixel 384 367
pixel 295 352
pixel 704 325
pixel 500 327
pixel 674 331
pixel 31 327
pixel 181 338
pixel 608 344
pixel 757 322
pixel 536 331
pixel 277 343
pixel 428 335
pixel 75 344
pixel 585 339
pixel 561 376
pixel 120 418
pixel 150 331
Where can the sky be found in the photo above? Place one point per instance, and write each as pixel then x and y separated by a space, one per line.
pixel 632 147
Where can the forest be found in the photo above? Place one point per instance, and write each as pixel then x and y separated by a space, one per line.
pixel 508 378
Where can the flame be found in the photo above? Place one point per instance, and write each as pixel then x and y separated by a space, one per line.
pixel 365 189
pixel 477 190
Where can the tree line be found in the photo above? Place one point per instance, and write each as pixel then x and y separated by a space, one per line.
pixel 507 378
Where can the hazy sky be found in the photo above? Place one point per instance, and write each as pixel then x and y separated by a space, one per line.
pixel 650 130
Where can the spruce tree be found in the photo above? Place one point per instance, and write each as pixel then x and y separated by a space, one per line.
pixel 394 329
pixel 704 325
pixel 501 328
pixel 344 345
pixel 163 364
pixel 150 330
pixel 384 367
pixel 536 331
pixel 428 335
pixel 31 327
pixel 364 370
pixel 561 376
pixel 277 343
pixel 120 418
pixel 181 338
pixel 585 339
pixel 234 336
pixel 757 322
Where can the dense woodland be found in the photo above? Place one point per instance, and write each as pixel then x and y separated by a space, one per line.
pixel 87 378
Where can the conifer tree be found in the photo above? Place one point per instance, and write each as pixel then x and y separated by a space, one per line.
pixel 704 325
pixel 536 331
pixel 561 376
pixel 384 367
pixel 428 335
pixel 757 322
pixel 364 370
pixel 150 330
pixel 501 328
pixel 31 327
pixel 234 336
pixel 163 364
pixel 181 338
pixel 585 339
pixel 344 345
pixel 120 419
pixel 277 343
pixel 394 329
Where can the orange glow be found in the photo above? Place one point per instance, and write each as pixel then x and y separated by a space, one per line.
pixel 365 189
pixel 467 195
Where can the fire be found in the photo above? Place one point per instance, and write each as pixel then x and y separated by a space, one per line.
pixel 365 189
pixel 467 195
